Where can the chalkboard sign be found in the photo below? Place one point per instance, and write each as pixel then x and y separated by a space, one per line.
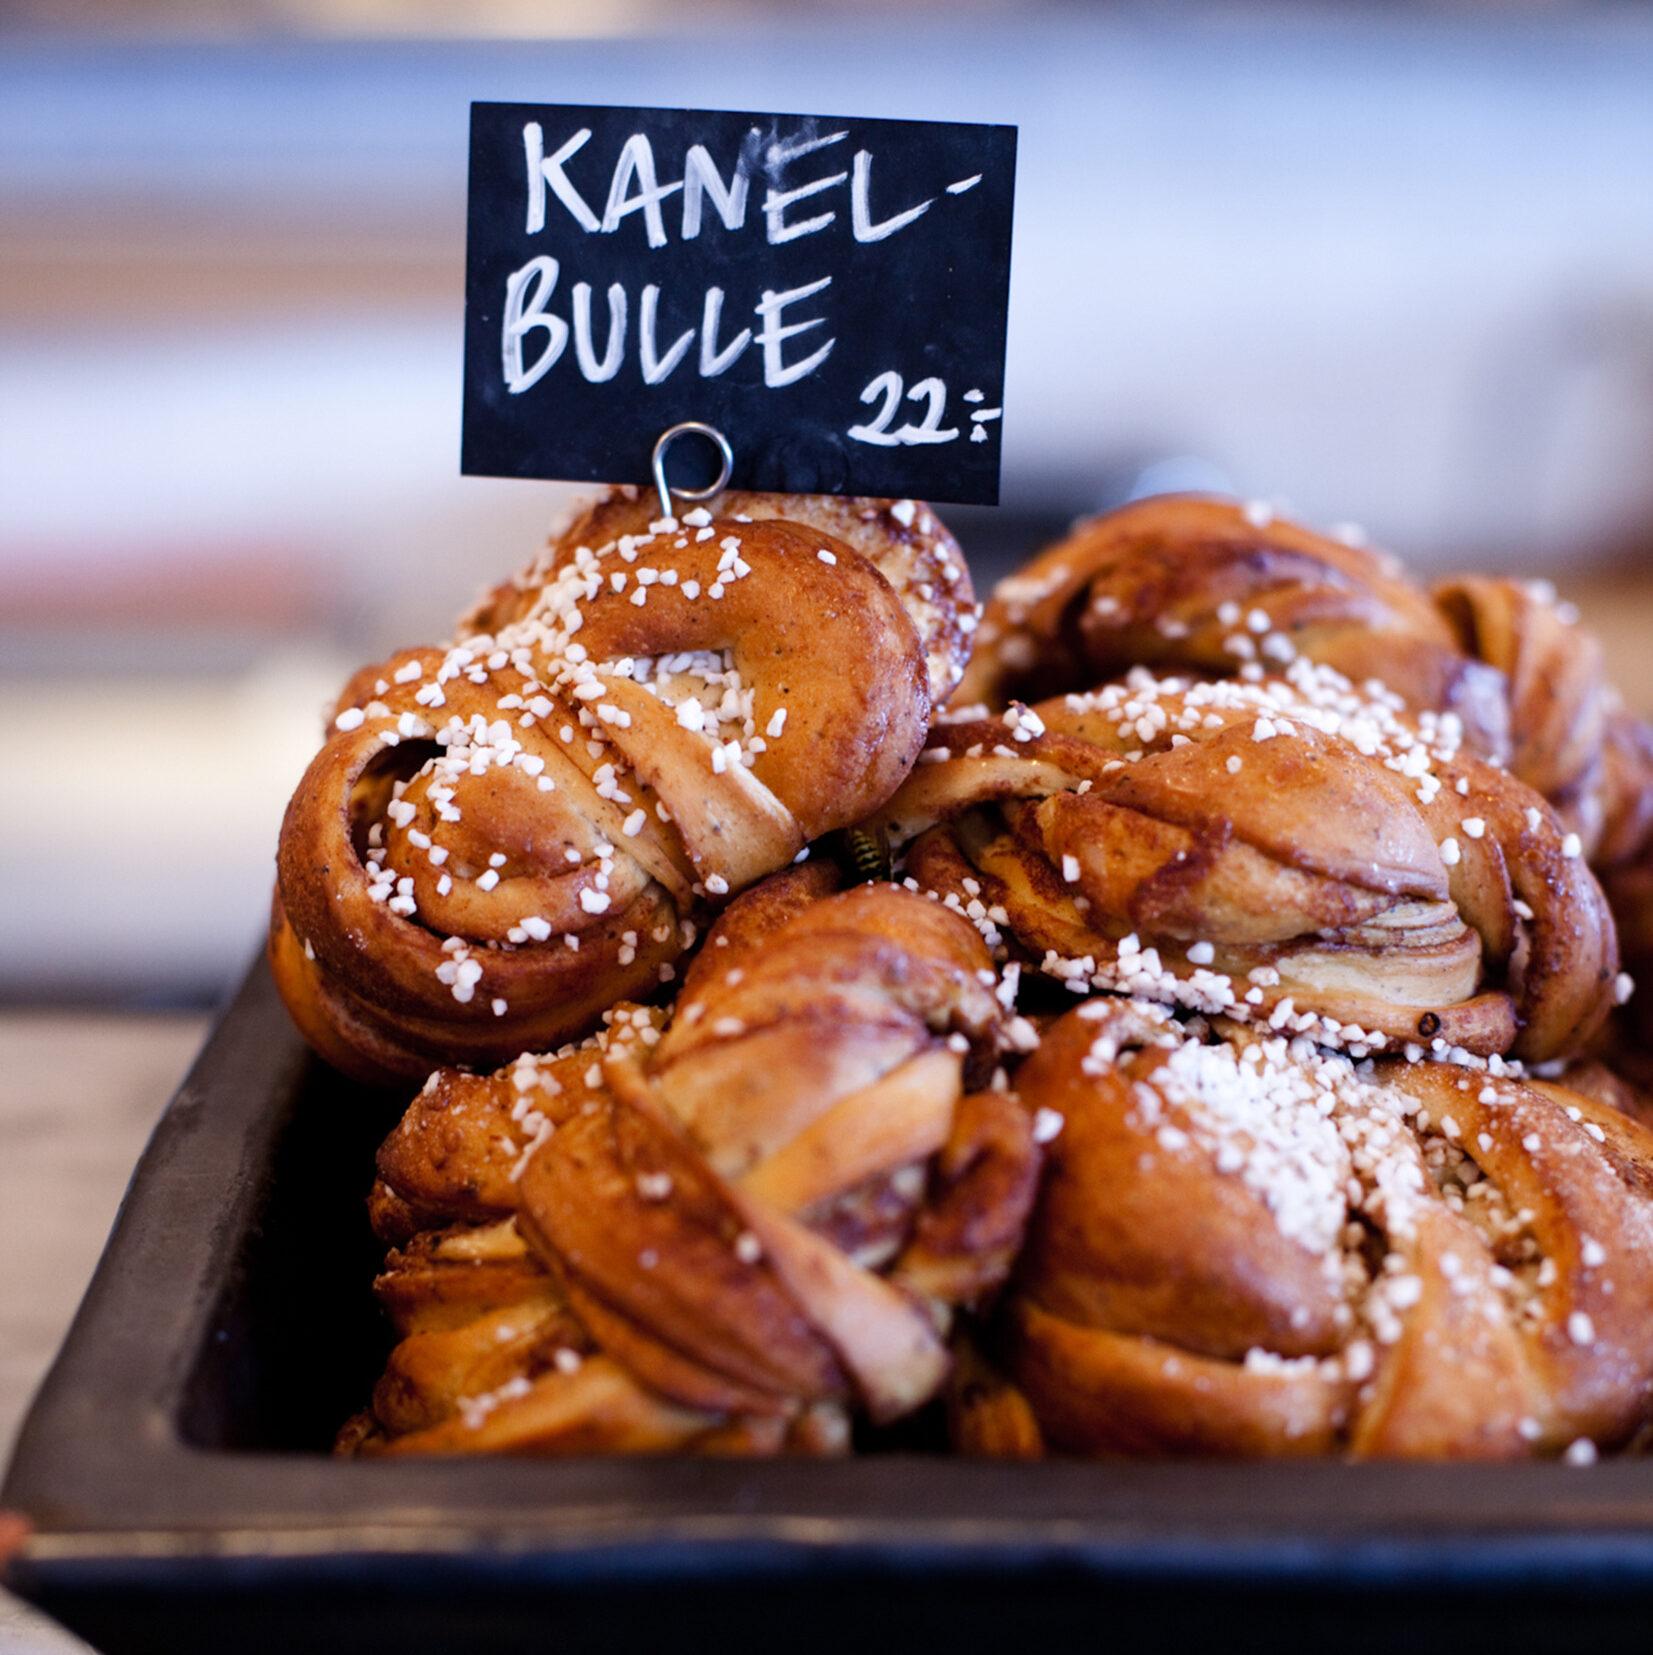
pixel 829 293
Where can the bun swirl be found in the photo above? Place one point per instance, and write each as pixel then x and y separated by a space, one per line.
pixel 741 1231
pixel 1251 1247
pixel 500 839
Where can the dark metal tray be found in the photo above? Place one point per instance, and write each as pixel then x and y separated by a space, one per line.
pixel 174 1473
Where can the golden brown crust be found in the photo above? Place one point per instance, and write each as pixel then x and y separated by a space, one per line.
pixel 903 539
pixel 728 1236
pixel 498 841
pixel 802 1197
pixel 1256 1249
pixel 1176 582
pixel 985 1176
pixel 1573 742
pixel 1559 700
pixel 1277 850
pixel 1625 856
pixel 1621 1081
pixel 456 1153
pixel 441 1279
pixel 987 1416
pixel 1211 588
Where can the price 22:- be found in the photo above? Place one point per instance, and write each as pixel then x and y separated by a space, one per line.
pixel 887 389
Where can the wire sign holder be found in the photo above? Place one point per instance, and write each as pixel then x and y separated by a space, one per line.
pixel 691 428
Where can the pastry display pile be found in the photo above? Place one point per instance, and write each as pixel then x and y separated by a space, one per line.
pixel 1195 1020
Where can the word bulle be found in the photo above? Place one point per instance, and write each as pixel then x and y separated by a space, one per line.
pixel 536 333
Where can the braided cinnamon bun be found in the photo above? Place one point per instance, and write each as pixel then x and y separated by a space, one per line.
pixel 1182 583
pixel 1188 584
pixel 1286 851
pixel 1250 1246
pixel 1624 857
pixel 903 540
pixel 500 839
pixel 1560 703
pixel 1208 588
pixel 726 1237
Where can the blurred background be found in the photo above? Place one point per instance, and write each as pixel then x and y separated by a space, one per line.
pixel 1390 264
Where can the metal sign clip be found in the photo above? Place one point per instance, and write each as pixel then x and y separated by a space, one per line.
pixel 695 428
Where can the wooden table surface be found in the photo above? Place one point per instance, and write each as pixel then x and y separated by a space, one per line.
pixel 79 1093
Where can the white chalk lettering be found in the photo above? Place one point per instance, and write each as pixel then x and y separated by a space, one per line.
pixel 543 170
pixel 596 372
pixel 935 392
pixel 886 389
pixel 712 360
pixel 701 179
pixel 527 292
pixel 774 333
pixel 796 148
pixel 655 367
pixel 877 430
pixel 776 201
pixel 792 337
pixel 860 212
pixel 636 165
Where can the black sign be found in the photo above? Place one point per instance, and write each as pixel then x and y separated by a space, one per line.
pixel 829 293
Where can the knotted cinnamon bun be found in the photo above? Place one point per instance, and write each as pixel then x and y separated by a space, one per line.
pixel 1625 858
pixel 1286 851
pixel 502 838
pixel 1186 584
pixel 727 1237
pixel 1566 721
pixel 1249 1246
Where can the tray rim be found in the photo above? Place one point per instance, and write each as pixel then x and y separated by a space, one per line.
pixel 113 1492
